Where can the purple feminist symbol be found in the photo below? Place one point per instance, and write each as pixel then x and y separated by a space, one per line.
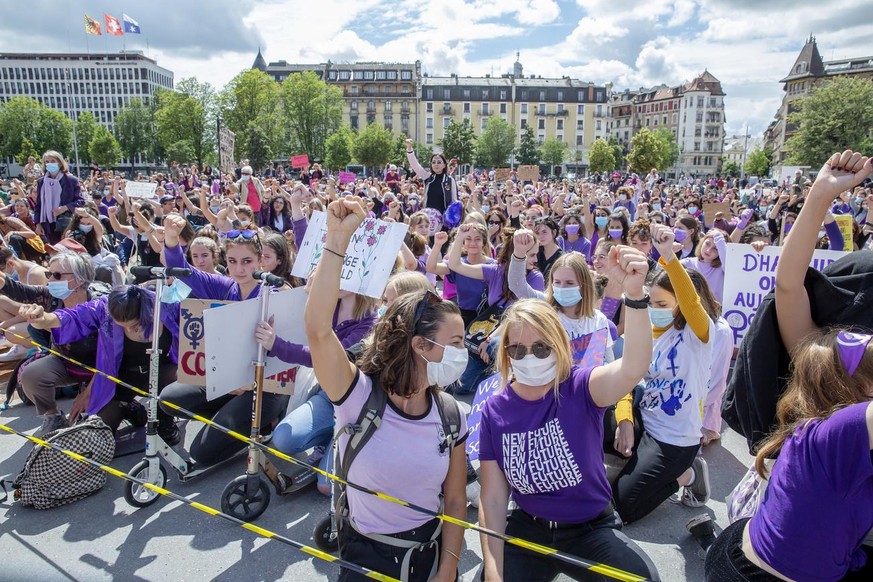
pixel 852 347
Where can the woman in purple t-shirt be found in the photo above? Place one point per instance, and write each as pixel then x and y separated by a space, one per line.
pixel 541 436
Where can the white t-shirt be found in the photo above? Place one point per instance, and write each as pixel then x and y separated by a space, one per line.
pixel 401 459
pixel 589 339
pixel 676 386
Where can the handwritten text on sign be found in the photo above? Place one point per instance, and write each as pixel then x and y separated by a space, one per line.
pixel 750 276
pixel 300 161
pixel 140 189
pixel 486 389
pixel 346 177
pixel 369 258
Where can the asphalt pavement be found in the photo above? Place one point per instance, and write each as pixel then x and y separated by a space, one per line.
pixel 104 538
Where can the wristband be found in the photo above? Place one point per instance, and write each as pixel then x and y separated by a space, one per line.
pixel 334 252
pixel 517 258
pixel 637 303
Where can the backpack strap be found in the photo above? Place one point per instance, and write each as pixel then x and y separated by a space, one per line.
pixel 450 416
pixel 369 420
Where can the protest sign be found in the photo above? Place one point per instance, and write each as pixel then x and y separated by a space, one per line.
pixel 369 258
pixel 710 209
pixel 231 348
pixel 300 161
pixel 192 347
pixel 528 173
pixel 749 276
pixel 502 174
pixel 346 177
pixel 485 390
pixel 226 143
pixel 140 189
pixel 845 222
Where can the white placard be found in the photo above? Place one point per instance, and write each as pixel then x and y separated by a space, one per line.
pixel 749 276
pixel 369 258
pixel 231 348
pixel 140 189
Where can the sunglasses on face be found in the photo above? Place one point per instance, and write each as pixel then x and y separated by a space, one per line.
pixel 245 234
pixel 519 351
pixel 495 222
pixel 57 276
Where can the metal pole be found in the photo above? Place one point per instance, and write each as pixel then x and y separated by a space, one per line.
pixel 75 118
pixel 745 149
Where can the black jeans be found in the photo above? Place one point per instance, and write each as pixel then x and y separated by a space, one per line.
pixel 212 446
pixel 386 559
pixel 599 541
pixel 649 477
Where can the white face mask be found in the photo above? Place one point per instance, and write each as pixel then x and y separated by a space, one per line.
pixel 245 223
pixel 533 371
pixel 244 177
pixel 448 370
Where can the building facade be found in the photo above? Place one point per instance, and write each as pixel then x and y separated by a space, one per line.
pixel 808 71
pixel 385 93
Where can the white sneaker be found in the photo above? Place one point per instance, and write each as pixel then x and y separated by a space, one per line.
pixel 473 489
pixel 697 494
pixel 15 354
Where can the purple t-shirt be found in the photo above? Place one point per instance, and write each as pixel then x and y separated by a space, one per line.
pixel 819 504
pixel 581 245
pixel 493 274
pixel 550 453
pixel 469 290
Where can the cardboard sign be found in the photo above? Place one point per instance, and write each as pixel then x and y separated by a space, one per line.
pixel 502 174
pixel 226 143
pixel 346 177
pixel 369 258
pixel 300 161
pixel 845 222
pixel 192 344
pixel 485 390
pixel 710 209
pixel 231 348
pixel 140 189
pixel 528 173
pixel 749 276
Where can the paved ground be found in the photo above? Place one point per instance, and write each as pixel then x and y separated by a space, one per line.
pixel 103 538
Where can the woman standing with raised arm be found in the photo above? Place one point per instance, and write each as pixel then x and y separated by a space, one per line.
pixel 440 189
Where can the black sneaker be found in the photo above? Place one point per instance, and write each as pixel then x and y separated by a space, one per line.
pixel 703 530
pixel 170 433
pixel 135 413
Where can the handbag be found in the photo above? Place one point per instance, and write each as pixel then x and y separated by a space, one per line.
pixel 63 221
pixel 745 498
pixel 482 327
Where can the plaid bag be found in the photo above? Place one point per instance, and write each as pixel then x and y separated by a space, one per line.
pixel 51 478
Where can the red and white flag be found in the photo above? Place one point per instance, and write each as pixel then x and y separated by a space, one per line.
pixel 113 26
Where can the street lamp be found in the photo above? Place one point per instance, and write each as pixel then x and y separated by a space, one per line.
pixel 74 117
pixel 745 149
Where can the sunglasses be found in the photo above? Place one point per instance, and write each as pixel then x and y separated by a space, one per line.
pixel 246 234
pixel 495 223
pixel 429 298
pixel 519 351
pixel 57 276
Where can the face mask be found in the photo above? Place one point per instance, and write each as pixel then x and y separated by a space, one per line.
pixel 572 229
pixel 532 371
pixel 448 370
pixel 13 276
pixel 615 233
pixel 59 289
pixel 106 193
pixel 245 223
pixel 692 209
pixel 567 296
pixel 601 221
pixel 656 207
pixel 52 168
pixel 661 316
pixel 623 196
pixel 244 177
pixel 176 293
pixel 86 228
pixel 485 208
pixel 788 226
pixel 680 234
pixel 382 311
pixel 215 209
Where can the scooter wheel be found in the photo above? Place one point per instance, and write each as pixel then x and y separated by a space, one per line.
pixel 238 501
pixel 325 535
pixel 139 496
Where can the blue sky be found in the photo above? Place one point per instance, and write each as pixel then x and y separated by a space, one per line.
pixel 748 44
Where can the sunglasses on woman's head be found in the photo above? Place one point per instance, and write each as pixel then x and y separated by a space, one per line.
pixel 246 234
pixel 519 351
pixel 428 298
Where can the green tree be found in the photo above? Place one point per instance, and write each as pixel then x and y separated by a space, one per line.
pixel 134 130
pixel 25 118
pixel 669 148
pixel 179 151
pixel 459 141
pixel 259 148
pixel 758 162
pixel 646 151
pixel 86 129
pixel 338 148
pixel 103 149
pixel 553 153
pixel 187 114
pixel 601 157
pixel 528 149
pixel 312 110
pixel 423 153
pixel 252 96
pixel 373 146
pixel 496 143
pixel 730 168
pixel 27 150
pixel 835 116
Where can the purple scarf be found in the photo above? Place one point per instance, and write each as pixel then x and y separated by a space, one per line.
pixel 51 197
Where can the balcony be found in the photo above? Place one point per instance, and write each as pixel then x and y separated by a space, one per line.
pixel 447 111
pixel 562 113
pixel 485 112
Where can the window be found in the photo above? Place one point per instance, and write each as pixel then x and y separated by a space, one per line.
pixel 541 109
pixel 524 123
pixel 483 122
pixel 358 75
pixel 542 95
pixel 466 108
pixel 446 121
pixel 697 146
pixel 560 108
pixel 387 107
pixel 675 118
pixel 428 107
pixel 599 111
pixel 560 137
pixel 345 75
pixel 406 75
pixel 541 137
pixel 597 126
pixel 429 138
pixel 428 123
pixel 429 95
pixel 332 75
pixel 700 102
pixel 466 93
pixel 503 108
pixel 580 140
pixel 541 124
pixel 561 97
pixel 381 75
pixel 447 95
pixel 524 96
pixel 392 75
pixel 580 124
pixel 353 90
pixel 368 75
pixel 560 124
pixel 386 89
pixel 353 105
pixel 580 110
pixel 485 110
pixel 524 108
pixel 484 94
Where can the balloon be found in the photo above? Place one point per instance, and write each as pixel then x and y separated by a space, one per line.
pixel 452 216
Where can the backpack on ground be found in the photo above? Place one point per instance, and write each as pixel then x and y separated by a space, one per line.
pixel 51 478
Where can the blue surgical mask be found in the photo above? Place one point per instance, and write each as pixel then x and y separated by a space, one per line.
pixel 52 168
pixel 86 228
pixel 661 316
pixel 381 311
pixel 59 289
pixel 656 207
pixel 601 221
pixel 567 296
pixel 176 293
pixel 485 208
pixel 692 209
pixel 215 209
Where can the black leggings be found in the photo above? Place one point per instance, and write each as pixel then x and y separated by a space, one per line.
pixel 385 559
pixel 649 477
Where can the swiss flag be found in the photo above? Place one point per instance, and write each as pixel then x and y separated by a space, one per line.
pixel 113 26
